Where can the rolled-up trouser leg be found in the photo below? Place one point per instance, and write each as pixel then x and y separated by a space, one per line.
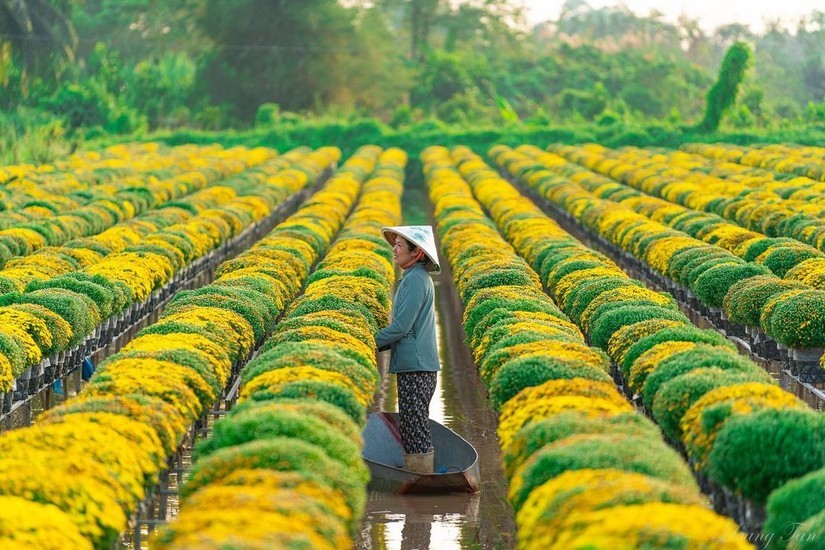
pixel 415 390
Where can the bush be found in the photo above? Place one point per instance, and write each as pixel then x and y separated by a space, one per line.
pixel 757 453
pixel 792 504
pixel 89 104
pixel 745 299
pixel 699 270
pixel 577 300
pixel 639 454
pixel 628 335
pixel 493 278
pixel 810 534
pixel 558 508
pixel 605 326
pixel 251 306
pixel 713 285
pixel 292 354
pixel 781 259
pixel 282 454
pixel 680 393
pixel 99 294
pixel 522 372
pixel 526 299
pixel 330 302
pixel 684 333
pixel 267 115
pixel 557 348
pixel 535 435
pixel 799 321
pixel 265 423
pixel 700 357
pixel 342 398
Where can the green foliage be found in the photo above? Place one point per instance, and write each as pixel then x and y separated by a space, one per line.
pixel 603 327
pixel 161 89
pixel 685 333
pixel 32 135
pixel 784 321
pixel 88 105
pixel 810 534
pixel 723 92
pixel 535 435
pixel 746 298
pixel 618 451
pixel 713 285
pixel 486 300
pixel 262 423
pixel 267 115
pixel 781 259
pixel 252 306
pixel 792 504
pixel 512 276
pixel 703 356
pixel 757 453
pixel 342 398
pixel 286 354
pixel 280 454
pixel 677 395
pixel 523 372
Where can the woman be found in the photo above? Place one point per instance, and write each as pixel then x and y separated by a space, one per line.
pixel 411 338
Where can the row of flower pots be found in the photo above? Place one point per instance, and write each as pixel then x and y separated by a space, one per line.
pixel 719 281
pixel 53 220
pixel 89 461
pixel 739 429
pixel 753 223
pixel 62 314
pixel 800 160
pixel 584 469
pixel 284 467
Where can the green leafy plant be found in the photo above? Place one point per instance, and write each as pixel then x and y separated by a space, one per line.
pixel 713 285
pixel 793 504
pixel 595 451
pixel 522 372
pixel 677 395
pixel 702 356
pixel 757 453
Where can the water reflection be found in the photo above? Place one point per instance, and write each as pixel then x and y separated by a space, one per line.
pixel 481 520
pixel 398 522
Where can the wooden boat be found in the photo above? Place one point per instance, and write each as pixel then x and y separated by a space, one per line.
pixel 455 461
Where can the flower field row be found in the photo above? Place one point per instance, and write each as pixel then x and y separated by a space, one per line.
pixel 146 229
pixel 584 468
pixel 86 168
pixel 58 314
pixel 88 462
pixel 786 258
pixel 79 174
pixel 734 179
pixel 711 273
pixel 796 227
pixel 284 468
pixel 788 159
pixel 54 220
pixel 734 423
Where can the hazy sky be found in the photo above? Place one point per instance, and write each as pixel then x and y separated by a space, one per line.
pixel 711 13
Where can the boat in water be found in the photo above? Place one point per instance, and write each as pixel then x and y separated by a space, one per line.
pixel 455 463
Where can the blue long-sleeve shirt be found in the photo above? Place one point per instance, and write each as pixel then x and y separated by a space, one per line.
pixel 411 334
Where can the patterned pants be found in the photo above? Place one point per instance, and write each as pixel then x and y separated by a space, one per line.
pixel 415 389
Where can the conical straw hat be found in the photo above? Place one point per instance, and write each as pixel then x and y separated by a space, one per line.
pixel 419 235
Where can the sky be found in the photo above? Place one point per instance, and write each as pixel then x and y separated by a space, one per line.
pixel 710 13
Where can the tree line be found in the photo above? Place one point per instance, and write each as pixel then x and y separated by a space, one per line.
pixel 94 67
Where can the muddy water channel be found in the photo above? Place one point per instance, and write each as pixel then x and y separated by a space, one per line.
pixel 446 522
